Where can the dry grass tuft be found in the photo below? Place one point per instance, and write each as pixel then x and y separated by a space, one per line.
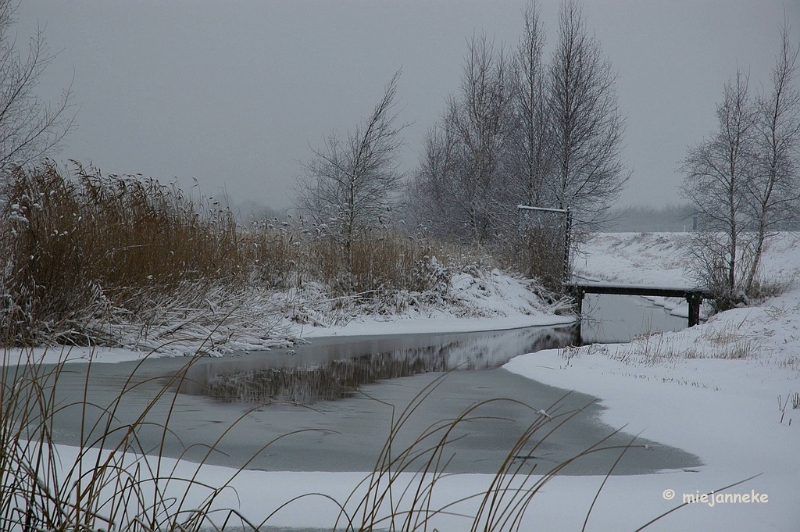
pixel 111 482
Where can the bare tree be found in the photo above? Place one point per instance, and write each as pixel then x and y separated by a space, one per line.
pixel 774 190
pixel 351 183
pixel 530 160
pixel 586 124
pixel 30 128
pixel 436 193
pixel 744 181
pixel 717 173
pixel 520 131
pixel 461 180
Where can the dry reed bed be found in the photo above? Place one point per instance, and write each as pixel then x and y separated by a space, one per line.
pixel 93 259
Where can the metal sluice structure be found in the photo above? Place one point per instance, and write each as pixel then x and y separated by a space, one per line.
pixel 541 218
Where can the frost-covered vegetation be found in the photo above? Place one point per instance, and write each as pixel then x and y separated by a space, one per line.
pixel 120 260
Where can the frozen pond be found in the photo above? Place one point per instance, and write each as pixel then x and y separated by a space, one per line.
pixel 335 367
pixel 347 434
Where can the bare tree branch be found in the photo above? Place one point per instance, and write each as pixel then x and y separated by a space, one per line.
pixel 30 128
pixel 587 127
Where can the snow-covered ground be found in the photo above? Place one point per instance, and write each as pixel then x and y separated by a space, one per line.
pixel 473 300
pixel 660 258
pixel 723 390
pixel 476 302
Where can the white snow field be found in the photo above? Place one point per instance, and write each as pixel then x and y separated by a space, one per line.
pixel 723 391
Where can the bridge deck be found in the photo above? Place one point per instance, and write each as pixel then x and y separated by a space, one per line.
pixel 693 295
pixel 639 290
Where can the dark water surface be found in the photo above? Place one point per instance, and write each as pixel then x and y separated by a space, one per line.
pixel 336 367
pixel 259 398
pixel 615 318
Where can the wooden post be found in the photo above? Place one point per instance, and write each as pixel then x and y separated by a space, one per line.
pixel 577 294
pixel 567 244
pixel 694 299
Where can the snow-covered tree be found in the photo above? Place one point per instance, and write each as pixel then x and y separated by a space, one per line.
pixel 773 192
pixel 744 181
pixel 717 174
pixel 351 183
pixel 529 151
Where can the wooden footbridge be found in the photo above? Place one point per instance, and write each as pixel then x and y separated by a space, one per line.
pixel 693 295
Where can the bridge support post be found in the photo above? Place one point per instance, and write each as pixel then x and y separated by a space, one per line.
pixel 577 295
pixel 694 299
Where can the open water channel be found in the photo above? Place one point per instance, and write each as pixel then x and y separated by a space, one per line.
pixel 335 399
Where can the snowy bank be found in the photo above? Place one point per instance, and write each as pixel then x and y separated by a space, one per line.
pixel 725 390
pixel 472 301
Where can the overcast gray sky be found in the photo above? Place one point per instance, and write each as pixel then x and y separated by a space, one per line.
pixel 237 93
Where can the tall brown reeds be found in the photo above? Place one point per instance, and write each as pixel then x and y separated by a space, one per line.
pixel 80 250
pixel 79 243
pixel 537 252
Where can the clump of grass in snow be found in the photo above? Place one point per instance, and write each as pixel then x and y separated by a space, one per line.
pixel 782 404
pixel 725 341
pixel 728 342
pixel 651 349
pixel 654 349
pixel 792 363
